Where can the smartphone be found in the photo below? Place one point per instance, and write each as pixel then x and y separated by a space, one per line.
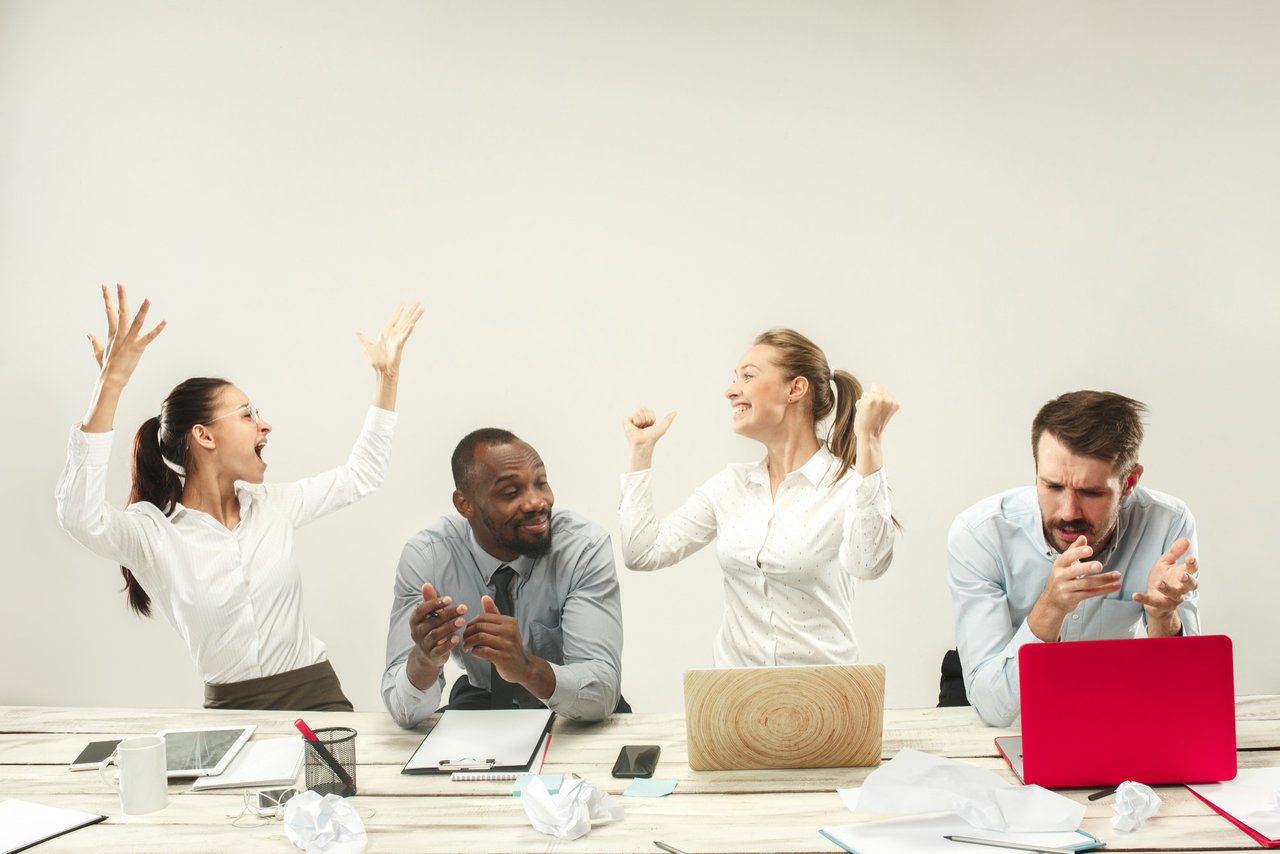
pixel 637 760
pixel 93 754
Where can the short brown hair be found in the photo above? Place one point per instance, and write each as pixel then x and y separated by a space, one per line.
pixel 1099 424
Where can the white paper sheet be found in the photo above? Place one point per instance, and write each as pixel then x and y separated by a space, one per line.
pixel 1250 798
pixel 503 738
pixel 23 823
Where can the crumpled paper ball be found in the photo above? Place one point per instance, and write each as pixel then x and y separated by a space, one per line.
pixel 1135 803
pixel 328 825
pixel 569 813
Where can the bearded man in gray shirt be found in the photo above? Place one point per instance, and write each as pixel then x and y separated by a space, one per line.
pixel 524 599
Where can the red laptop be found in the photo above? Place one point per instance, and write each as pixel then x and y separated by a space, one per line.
pixel 1151 710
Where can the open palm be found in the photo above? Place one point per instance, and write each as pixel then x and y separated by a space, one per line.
pixel 384 353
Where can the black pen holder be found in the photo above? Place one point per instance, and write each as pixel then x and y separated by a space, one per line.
pixel 334 774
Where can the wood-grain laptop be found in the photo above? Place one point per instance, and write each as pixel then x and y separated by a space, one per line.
pixel 823 716
pixel 1152 710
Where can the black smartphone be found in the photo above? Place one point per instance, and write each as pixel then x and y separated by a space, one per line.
pixel 637 760
pixel 93 754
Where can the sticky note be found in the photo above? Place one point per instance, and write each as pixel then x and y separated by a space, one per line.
pixel 551 781
pixel 642 788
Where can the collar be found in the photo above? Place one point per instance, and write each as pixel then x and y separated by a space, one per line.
pixel 814 470
pixel 488 564
pixel 245 493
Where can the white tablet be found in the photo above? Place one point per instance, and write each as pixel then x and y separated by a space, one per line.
pixel 203 751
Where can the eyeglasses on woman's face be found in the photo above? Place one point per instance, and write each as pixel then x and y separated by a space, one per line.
pixel 247 408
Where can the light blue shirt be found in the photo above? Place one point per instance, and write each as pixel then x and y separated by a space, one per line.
pixel 567 606
pixel 1000 561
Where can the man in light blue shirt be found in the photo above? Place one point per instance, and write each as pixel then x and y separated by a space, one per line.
pixel 1084 554
pixel 524 599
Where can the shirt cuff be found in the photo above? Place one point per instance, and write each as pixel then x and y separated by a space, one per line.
pixel 380 420
pixel 566 691
pixel 92 449
pixel 415 704
pixel 635 489
pixel 1021 637
pixel 873 493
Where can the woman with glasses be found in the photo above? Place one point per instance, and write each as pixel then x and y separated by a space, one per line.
pixel 204 539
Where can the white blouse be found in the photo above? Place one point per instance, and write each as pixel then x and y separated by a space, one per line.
pixel 235 596
pixel 789 562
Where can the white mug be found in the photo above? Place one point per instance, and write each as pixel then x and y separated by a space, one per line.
pixel 143 782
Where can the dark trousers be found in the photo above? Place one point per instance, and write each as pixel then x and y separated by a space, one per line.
pixel 314 688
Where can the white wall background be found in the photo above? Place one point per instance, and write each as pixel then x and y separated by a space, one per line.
pixel 978 204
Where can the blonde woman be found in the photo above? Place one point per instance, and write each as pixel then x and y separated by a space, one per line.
pixel 794 531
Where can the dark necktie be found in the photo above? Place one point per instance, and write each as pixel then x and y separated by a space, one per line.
pixel 501 692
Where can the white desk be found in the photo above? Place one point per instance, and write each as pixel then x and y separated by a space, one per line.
pixel 724 811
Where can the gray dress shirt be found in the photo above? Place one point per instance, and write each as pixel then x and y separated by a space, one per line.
pixel 567 605
pixel 1000 561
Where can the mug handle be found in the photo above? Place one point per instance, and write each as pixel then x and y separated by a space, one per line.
pixel 113 759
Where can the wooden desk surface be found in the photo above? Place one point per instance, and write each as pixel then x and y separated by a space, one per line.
pixel 710 811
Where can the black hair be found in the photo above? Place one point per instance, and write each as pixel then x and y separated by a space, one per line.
pixel 464 455
pixel 161 438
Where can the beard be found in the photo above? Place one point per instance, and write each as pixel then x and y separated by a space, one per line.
pixel 527 549
pixel 1076 528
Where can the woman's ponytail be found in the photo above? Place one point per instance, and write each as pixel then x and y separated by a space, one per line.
pixel 160 455
pixel 842 441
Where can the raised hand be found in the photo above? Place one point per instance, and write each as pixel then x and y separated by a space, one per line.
pixel 125 339
pixel 1072 579
pixel 117 358
pixel 874 409
pixel 1168 585
pixel 876 406
pixel 433 627
pixel 643 430
pixel 384 353
pixel 495 637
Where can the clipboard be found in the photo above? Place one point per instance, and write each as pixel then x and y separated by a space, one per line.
pixel 484 740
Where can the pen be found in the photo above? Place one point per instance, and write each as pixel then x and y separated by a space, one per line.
pixel 665 847
pixel 1096 796
pixel 996 843
pixel 349 785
